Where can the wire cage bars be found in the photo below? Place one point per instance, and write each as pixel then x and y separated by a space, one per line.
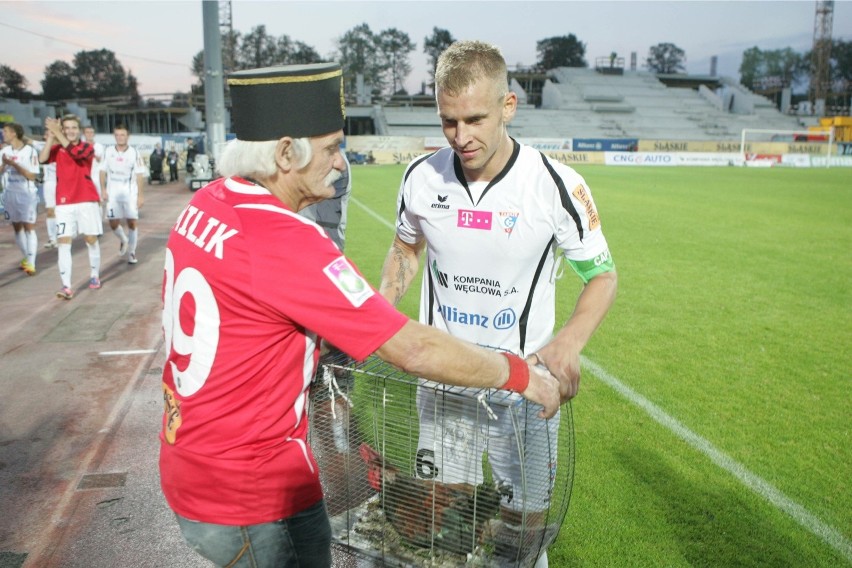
pixel 419 474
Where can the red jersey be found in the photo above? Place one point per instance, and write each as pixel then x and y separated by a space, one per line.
pixel 249 286
pixel 74 173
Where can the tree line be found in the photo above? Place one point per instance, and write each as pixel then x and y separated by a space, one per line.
pixel 94 74
pixel 763 70
pixel 383 60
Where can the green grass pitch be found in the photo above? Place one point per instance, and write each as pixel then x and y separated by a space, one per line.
pixel 734 316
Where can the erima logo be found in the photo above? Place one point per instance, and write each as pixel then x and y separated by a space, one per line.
pixel 442 202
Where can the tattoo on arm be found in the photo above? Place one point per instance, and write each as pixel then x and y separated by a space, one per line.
pixel 400 275
pixel 400 278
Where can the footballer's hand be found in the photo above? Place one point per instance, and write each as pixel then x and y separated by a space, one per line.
pixel 53 125
pixel 564 365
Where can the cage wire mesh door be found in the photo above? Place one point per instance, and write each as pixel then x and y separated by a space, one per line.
pixel 446 504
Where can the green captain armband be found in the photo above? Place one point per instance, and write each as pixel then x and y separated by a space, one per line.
pixel 588 269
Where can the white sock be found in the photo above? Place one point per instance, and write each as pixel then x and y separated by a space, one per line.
pixel 132 240
pixel 64 257
pixel 32 246
pixel 94 258
pixel 21 240
pixel 542 561
pixel 119 232
pixel 51 229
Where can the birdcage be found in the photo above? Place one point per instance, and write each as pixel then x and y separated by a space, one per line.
pixel 418 474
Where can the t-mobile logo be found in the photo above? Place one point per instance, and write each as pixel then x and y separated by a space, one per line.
pixel 468 219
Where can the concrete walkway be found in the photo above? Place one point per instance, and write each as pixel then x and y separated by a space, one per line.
pixel 81 404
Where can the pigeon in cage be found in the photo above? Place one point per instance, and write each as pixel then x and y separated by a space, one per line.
pixel 451 516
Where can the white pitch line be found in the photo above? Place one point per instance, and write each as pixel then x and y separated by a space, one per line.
pixel 805 518
pixel 129 352
pixel 373 214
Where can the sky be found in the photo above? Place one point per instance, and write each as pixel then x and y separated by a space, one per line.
pixel 157 39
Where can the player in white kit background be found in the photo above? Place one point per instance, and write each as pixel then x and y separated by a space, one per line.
pixel 49 189
pixel 122 181
pixel 89 136
pixel 18 168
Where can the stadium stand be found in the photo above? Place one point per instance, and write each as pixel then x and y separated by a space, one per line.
pixel 582 103
pixel 410 121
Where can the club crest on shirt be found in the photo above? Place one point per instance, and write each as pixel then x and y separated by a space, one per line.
pixel 508 220
pixel 348 281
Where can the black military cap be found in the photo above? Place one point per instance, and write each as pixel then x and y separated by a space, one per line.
pixel 290 100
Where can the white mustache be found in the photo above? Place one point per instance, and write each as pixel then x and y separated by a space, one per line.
pixel 332 177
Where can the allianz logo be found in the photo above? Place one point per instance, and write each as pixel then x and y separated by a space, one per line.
pixel 504 319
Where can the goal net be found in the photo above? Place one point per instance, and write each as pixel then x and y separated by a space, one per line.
pixel 794 148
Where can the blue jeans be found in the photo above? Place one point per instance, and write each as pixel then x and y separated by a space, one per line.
pixel 300 541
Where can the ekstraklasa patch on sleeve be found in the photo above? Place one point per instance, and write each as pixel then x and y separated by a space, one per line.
pixel 348 281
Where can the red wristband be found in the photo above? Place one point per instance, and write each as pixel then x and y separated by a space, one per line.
pixel 519 374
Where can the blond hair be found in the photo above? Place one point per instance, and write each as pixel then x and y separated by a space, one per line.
pixel 69 117
pixel 466 62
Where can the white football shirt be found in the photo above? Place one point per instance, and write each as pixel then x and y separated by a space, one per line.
pixel 492 251
pixel 97 160
pixel 121 169
pixel 26 157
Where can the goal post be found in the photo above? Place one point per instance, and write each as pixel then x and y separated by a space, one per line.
pixel 770 147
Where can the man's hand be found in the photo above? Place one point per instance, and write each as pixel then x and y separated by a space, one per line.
pixel 544 390
pixel 564 364
pixel 562 355
pixel 53 126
